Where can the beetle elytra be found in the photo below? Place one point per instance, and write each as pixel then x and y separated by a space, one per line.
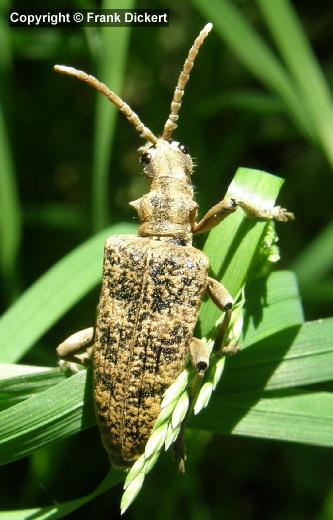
pixel 152 286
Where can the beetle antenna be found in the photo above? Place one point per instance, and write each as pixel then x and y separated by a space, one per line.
pixel 171 123
pixel 132 117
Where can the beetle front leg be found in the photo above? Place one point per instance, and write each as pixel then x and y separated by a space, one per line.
pixel 77 348
pixel 227 206
pixel 276 213
pixel 214 216
pixel 199 355
pixel 224 301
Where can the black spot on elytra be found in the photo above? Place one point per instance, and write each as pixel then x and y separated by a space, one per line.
pixel 111 354
pixel 143 393
pixel 157 359
pixel 105 381
pixel 123 288
pixel 186 281
pixel 178 333
pixel 168 354
pixel 159 303
pixel 109 343
pixel 143 316
pixel 104 338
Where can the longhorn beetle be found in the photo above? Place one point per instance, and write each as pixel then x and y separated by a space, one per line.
pixel 152 285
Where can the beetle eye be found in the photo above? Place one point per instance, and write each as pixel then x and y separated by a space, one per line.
pixel 145 158
pixel 183 148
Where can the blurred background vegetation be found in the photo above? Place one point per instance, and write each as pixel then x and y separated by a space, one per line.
pixel 258 97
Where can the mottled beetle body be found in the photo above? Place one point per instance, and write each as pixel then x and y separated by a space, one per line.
pixel 148 309
pixel 152 287
pixel 151 293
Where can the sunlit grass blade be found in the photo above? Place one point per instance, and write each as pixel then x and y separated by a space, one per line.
pixel 255 54
pixel 285 415
pixel 46 418
pixel 62 510
pixel 20 382
pixel 294 356
pixel 232 244
pixel 10 218
pixel 111 67
pixel 52 295
pixel 272 304
pixel 296 51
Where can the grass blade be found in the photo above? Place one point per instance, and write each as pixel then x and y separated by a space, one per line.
pixel 271 305
pixel 46 418
pixel 10 217
pixel 316 260
pixel 287 416
pixel 296 51
pixel 295 356
pixel 232 244
pixel 52 295
pixel 253 52
pixel 20 382
pixel 111 71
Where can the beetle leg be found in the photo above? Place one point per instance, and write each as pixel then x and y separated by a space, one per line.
pixel 77 347
pixel 275 213
pixel 222 298
pixel 227 206
pixel 215 215
pixel 179 448
pixel 199 355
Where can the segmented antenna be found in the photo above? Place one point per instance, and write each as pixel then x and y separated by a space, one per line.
pixel 171 123
pixel 132 117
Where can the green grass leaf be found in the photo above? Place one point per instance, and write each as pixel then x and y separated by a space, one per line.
pixel 304 68
pixel 316 260
pixel 19 382
pixel 289 416
pixel 52 295
pixel 295 356
pixel 111 68
pixel 232 244
pixel 255 55
pixel 48 417
pixel 271 305
pixel 10 217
